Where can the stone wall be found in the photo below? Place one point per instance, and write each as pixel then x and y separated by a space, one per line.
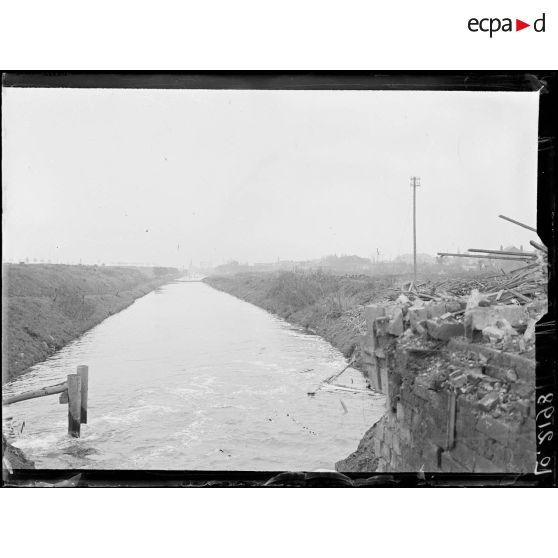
pixel 455 401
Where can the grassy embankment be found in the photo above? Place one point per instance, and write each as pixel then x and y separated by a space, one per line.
pixel 47 306
pixel 328 305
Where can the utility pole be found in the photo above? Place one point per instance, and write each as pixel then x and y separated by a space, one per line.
pixel 415 183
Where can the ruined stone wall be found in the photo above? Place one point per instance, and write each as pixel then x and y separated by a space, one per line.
pixel 454 403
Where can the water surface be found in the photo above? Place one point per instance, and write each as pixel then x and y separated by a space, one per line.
pixel 192 378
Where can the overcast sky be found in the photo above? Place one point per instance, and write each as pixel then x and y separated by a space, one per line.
pixel 172 176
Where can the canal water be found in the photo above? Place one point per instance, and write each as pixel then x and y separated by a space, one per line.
pixel 189 377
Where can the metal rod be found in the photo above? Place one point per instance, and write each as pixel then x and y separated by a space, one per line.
pixel 538 246
pixel 518 223
pixel 519 259
pixel 504 252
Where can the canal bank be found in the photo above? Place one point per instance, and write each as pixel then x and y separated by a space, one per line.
pixel 47 306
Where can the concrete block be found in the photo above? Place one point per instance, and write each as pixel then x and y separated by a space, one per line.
pixel 416 314
pixel 463 455
pixel 436 431
pixel 405 436
pixel 458 378
pixel 435 309
pixel 493 333
pixel 378 378
pixel 481 317
pixel 421 391
pixel 524 390
pixel 368 343
pixel 522 406
pixel 385 382
pixel 386 452
pixel 454 306
pixel 500 455
pixel 400 412
pixel 450 465
pixel 466 417
pixel 377 447
pixel 431 457
pixel 521 454
pixel 396 444
pixel 478 443
pixel 374 377
pixel 474 375
pixel 443 331
pixel 484 465
pixel 395 326
pixel 380 327
pixel 416 420
pixel 382 466
pixel 498 430
pixel 537 308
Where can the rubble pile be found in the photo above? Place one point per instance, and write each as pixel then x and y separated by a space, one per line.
pixel 455 360
pixel 474 337
pixel 499 310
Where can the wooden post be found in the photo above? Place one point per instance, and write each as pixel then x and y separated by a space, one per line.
pixel 74 405
pixel 450 443
pixel 83 373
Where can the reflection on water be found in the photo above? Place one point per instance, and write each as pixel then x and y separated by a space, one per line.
pixel 192 378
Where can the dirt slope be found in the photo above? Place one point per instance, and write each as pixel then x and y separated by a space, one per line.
pixel 47 306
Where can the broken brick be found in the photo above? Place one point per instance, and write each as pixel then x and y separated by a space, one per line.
pixel 416 314
pixel 489 401
pixel 458 378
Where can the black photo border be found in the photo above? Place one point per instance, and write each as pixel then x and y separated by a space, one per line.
pixel 546 82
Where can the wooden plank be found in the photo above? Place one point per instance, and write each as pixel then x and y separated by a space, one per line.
pixel 59 388
pixel 83 373
pixel 74 405
pixel 518 295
